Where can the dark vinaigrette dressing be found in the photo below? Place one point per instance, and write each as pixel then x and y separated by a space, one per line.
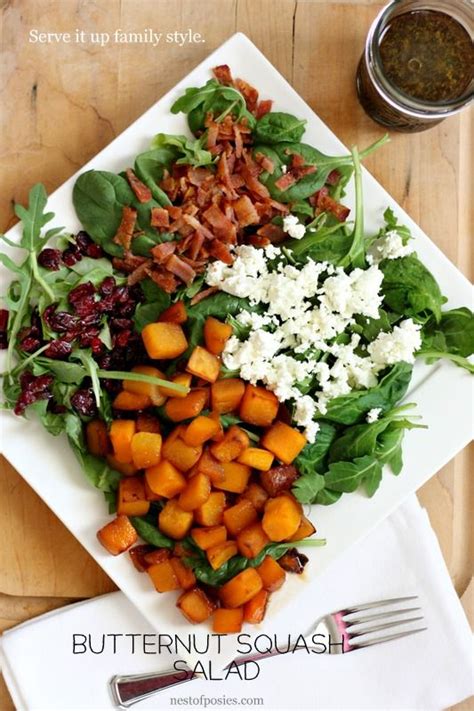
pixel 428 55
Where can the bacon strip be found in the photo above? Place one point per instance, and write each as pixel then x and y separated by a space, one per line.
pixel 142 192
pixel 246 212
pixel 195 224
pixel 204 294
pixel 223 75
pixel 124 234
pixel 181 269
pixel 163 251
pixel 285 181
pixel 160 217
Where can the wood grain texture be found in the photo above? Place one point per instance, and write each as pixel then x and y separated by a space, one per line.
pixel 66 102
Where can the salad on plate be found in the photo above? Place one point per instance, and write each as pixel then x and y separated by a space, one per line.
pixel 223 344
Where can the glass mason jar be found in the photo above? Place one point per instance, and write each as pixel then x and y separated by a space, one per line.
pixel 381 98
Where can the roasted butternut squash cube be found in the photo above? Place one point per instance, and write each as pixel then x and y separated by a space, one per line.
pixel 184 408
pixel 256 458
pixel 137 556
pixel 195 605
pixel 273 576
pixel 131 498
pixel 252 540
pixel 149 389
pixel 118 535
pixel 173 521
pixel 204 365
pixel 165 479
pixel 216 335
pixel 185 575
pixel 281 518
pixel 258 406
pixel 221 553
pixel 256 494
pixel 200 430
pixel 209 536
pixel 195 493
pixel 146 449
pixel 164 341
pixel 210 466
pixel 210 513
pixel 235 441
pixel 242 588
pixel 97 438
pixel 176 451
pixel 150 495
pixel 283 441
pixel 176 313
pixel 148 423
pixel 235 479
pixel 125 468
pixel 131 401
pixel 239 516
pixel 227 394
pixel 157 555
pixel 227 621
pixel 254 609
pixel 121 435
pixel 163 576
pixel 304 530
pixel 183 379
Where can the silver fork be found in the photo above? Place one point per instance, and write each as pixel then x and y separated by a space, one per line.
pixel 351 628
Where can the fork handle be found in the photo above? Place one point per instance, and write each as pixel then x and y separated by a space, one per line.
pixel 129 689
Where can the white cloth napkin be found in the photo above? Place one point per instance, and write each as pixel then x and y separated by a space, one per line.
pixel 430 671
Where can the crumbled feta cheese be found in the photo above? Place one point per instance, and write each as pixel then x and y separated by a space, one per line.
pixel 390 246
pixel 305 410
pixel 293 227
pixel 399 345
pixel 373 415
pixel 355 293
pixel 284 168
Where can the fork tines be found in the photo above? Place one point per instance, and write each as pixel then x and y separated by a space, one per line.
pixel 358 625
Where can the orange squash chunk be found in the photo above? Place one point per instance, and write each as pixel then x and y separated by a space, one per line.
pixel 242 588
pixel 227 621
pixel 195 605
pixel 176 451
pixel 125 468
pixel 235 441
pixel 256 494
pixel 210 513
pixel 200 430
pixel 254 609
pixel 164 340
pixel 281 518
pixel 148 389
pixel 204 365
pixel 252 540
pixel 235 477
pixel 273 576
pixel 183 379
pixel 304 530
pixel 256 458
pixel 284 441
pixel 185 575
pixel 258 406
pixel 176 313
pixel 146 449
pixel 131 401
pixel 131 498
pixel 239 516
pixel 196 492
pixel 216 335
pixel 226 394
pixel 184 408
pixel 221 553
pixel 97 438
pixel 210 536
pixel 163 576
pixel 148 423
pixel 164 479
pixel 121 435
pixel 173 521
pixel 118 535
pixel 150 494
pixel 210 466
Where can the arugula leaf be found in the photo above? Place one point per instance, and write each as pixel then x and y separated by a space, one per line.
pixel 371 327
pixel 356 253
pixel 451 338
pixel 307 487
pixel 347 476
pixel 311 458
pixel 150 533
pixel 34 218
pixel 327 497
pixel 351 408
pixel 389 448
pixel 96 469
pixel 187 151
pixel 410 289
pixel 277 126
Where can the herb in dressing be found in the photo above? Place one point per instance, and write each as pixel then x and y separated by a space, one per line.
pixel 428 55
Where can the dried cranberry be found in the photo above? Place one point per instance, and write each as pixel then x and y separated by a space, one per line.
pixel 107 286
pixel 105 361
pixel 30 344
pixel 59 348
pixel 94 251
pixel 119 324
pixel 87 337
pixel 82 299
pixel 33 388
pixel 56 408
pixel 71 256
pixel 60 321
pixel 3 328
pixel 83 402
pixel 122 338
pixel 96 345
pixel 83 241
pixel 50 259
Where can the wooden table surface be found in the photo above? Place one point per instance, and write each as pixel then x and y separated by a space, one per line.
pixel 64 102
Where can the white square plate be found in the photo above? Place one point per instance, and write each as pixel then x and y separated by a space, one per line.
pixel 443 392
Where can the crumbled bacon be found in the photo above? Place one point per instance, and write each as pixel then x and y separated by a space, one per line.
pixel 160 217
pixel 124 234
pixel 265 162
pixel 246 212
pixel 180 268
pixel 204 294
pixel 325 203
pixel 285 181
pixel 164 279
pixel 263 108
pixel 333 177
pixel 139 273
pixel 223 75
pixel 142 192
pixel 129 263
pixel 163 251
pixel 249 93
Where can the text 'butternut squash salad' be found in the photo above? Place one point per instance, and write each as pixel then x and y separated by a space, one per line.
pixel 221 345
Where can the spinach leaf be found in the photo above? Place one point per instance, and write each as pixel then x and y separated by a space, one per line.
pixel 96 469
pixel 277 126
pixel 454 334
pixel 150 533
pixel 311 458
pixel 347 476
pixel 410 289
pixel 350 409
pixel 148 313
pixel 149 167
pixel 99 197
pixel 328 244
pixel 371 327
